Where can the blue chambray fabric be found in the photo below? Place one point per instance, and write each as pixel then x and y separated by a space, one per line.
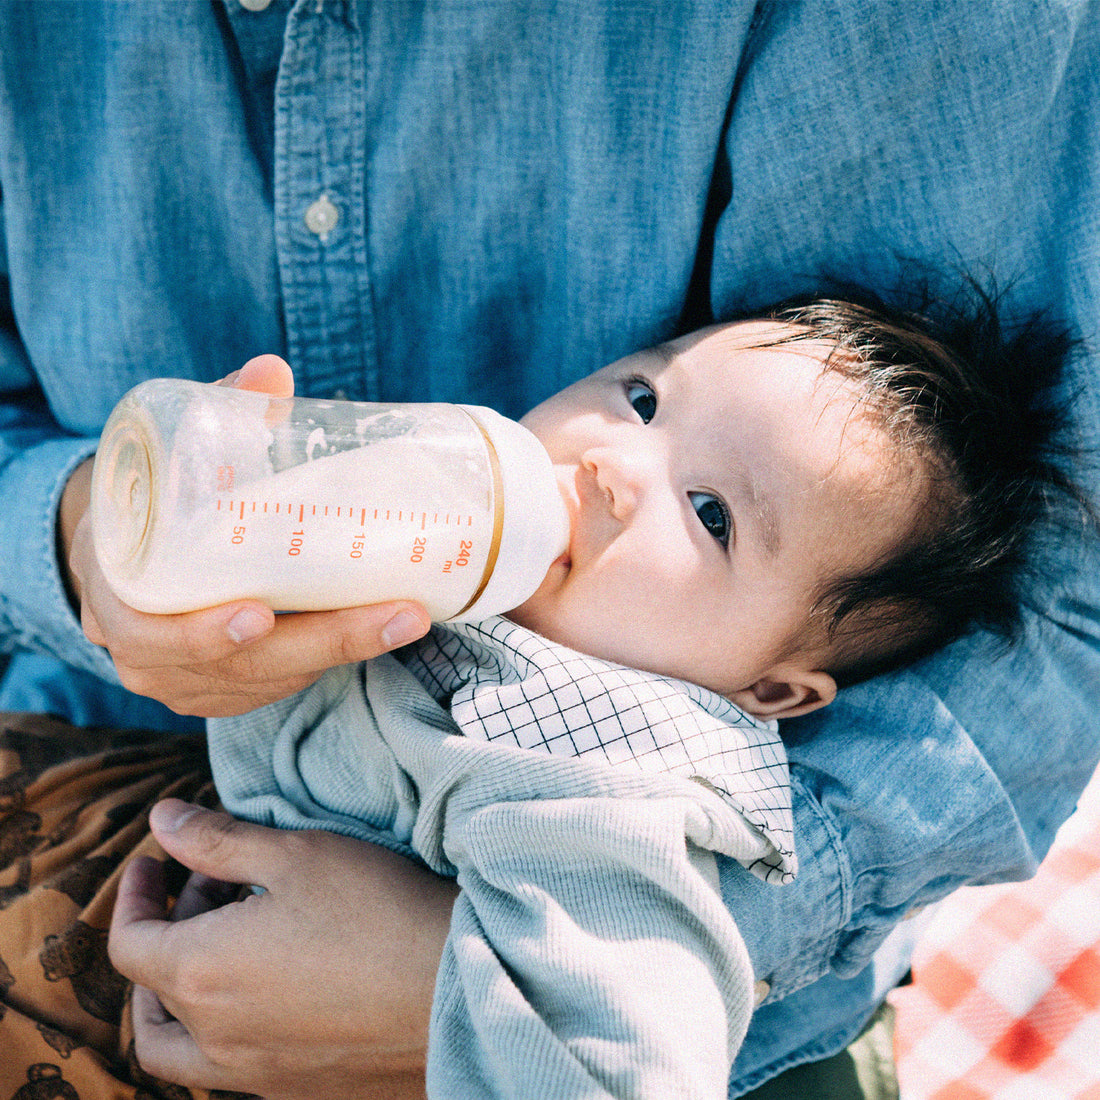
pixel 524 192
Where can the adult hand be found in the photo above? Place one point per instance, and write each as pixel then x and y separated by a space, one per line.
pixel 231 658
pixel 321 986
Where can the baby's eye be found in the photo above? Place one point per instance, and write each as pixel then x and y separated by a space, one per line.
pixel 713 515
pixel 641 396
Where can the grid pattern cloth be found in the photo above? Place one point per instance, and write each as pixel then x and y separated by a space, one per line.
pixel 1005 1002
pixel 502 682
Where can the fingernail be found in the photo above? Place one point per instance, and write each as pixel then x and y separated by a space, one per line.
pixel 169 816
pixel 403 628
pixel 247 626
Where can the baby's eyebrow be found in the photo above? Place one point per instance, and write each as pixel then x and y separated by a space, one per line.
pixel 764 517
pixel 666 352
pixel 748 495
pixel 752 503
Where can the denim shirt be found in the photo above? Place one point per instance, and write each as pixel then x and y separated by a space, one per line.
pixel 485 202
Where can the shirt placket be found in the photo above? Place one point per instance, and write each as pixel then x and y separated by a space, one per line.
pixel 320 201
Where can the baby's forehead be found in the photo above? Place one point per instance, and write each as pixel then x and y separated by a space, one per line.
pixel 730 338
pixel 729 367
pixel 868 468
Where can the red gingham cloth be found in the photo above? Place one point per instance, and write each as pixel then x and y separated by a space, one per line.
pixel 1005 1001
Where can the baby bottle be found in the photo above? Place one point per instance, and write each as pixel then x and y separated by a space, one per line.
pixel 203 494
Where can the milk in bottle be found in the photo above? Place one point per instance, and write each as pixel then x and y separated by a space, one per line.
pixel 204 494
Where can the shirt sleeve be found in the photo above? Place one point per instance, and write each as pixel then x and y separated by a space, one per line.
pixel 36 459
pixel 589 955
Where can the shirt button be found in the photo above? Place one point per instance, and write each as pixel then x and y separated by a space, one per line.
pixel 321 217
pixel 760 991
pixel 255 5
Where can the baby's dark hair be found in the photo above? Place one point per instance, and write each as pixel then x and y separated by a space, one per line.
pixel 977 402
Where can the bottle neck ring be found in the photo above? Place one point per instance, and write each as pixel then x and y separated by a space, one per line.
pixel 498 517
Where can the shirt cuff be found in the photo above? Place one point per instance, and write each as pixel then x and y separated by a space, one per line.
pixel 791 931
pixel 35 613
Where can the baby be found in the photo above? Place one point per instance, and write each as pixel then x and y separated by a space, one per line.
pixel 760 512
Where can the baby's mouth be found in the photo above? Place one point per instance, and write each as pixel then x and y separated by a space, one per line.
pixel 567 487
pixel 565 559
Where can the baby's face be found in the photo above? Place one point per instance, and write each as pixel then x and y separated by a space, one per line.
pixel 712 485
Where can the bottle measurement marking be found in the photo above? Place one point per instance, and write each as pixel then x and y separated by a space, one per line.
pixel 402 515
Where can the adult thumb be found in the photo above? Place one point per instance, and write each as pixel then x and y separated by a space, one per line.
pixel 217 845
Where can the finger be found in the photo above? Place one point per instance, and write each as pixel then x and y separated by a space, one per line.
pixel 148 1009
pixel 254 645
pixel 140 641
pixel 298 649
pixel 135 942
pixel 270 375
pixel 200 894
pixel 142 893
pixel 85 572
pixel 301 648
pixel 311 641
pixel 296 652
pixel 219 846
pixel 165 1048
pixel 265 374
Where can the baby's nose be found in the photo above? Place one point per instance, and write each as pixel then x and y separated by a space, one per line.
pixel 621 477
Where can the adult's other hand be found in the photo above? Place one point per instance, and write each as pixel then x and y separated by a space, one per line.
pixel 319 986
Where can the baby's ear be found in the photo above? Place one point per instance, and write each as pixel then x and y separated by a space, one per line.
pixel 786 692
